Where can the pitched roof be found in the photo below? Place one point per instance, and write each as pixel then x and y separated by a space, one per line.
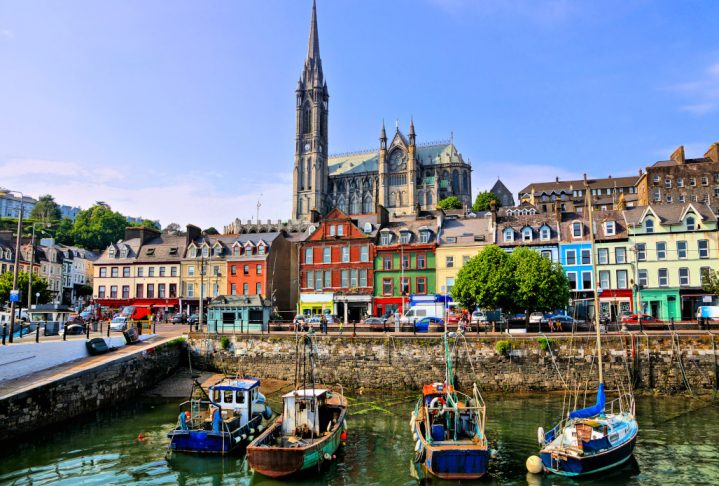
pixel 669 213
pixel 466 231
pixel 569 186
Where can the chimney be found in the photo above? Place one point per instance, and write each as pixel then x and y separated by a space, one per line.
pixel 713 152
pixel 584 177
pixel 315 216
pixel 678 155
pixel 144 234
pixel 641 172
pixel 557 212
pixel 556 179
pixel 493 210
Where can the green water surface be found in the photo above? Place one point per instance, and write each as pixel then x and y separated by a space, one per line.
pixel 678 444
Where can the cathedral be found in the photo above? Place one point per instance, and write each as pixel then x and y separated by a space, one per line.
pixel 400 175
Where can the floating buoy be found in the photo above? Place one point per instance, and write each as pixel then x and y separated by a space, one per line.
pixel 493 453
pixel 327 456
pixel 540 435
pixel 343 435
pixel 535 465
pixel 140 437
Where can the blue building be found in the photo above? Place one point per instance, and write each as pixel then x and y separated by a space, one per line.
pixel 238 313
pixel 577 258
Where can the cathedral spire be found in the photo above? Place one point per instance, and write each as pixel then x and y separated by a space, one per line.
pixel 313 47
pixel 312 74
pixel 411 130
pixel 382 133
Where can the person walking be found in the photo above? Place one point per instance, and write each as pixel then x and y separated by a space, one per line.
pixel 323 323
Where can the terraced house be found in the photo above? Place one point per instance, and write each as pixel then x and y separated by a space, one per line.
pixel 404 263
pixel 614 264
pixel 577 259
pixel 525 226
pixel 674 246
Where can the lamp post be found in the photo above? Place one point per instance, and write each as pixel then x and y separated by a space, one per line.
pixel 17 263
pixel 37 299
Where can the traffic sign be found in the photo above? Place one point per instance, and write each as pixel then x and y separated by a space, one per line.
pixel 14 296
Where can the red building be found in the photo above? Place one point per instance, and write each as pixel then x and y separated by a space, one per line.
pixel 336 266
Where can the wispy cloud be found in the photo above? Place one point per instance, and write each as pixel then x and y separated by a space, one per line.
pixel 550 11
pixel 186 198
pixel 702 94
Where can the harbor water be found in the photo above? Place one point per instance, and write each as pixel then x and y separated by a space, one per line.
pixel 678 444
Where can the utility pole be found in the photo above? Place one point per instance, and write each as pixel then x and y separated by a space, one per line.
pixel 17 264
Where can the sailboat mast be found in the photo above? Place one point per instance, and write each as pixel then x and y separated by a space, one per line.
pixel 596 294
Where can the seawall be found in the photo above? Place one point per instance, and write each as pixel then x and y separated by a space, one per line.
pixel 659 363
pixel 86 390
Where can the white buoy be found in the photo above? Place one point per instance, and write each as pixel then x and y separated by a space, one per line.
pixel 535 465
pixel 540 435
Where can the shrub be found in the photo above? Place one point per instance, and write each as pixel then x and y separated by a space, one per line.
pixel 545 344
pixel 225 342
pixel 502 347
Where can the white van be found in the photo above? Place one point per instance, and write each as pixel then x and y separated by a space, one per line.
pixel 419 311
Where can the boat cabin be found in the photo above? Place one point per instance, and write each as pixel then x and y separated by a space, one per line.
pixel 308 414
pixel 429 392
pixel 236 396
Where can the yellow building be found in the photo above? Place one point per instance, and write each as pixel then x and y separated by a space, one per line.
pixel 460 240
pixel 209 252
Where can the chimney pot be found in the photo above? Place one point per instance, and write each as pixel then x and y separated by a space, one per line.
pixel 557 179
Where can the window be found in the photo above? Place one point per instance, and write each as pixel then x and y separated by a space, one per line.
pixel 205 251
pixel 387 263
pixel 420 285
pixel 125 291
pixel 386 286
pixel 236 251
pixel 609 228
pixel 113 291
pixel 649 226
pixel 245 288
pixel 386 238
pixel 345 278
pixel 705 181
pixel 310 283
pixel 193 252
pixel 173 290
pixel 683 277
pixel 345 254
pixel 103 272
pixel 577 230
pixel 258 288
pixel 450 284
pixel 604 279
pixel 527 234
pixel 332 230
pixel 421 263
pixel 547 254
pixel 364 253
pixel 668 183
pixel 661 250
pixel 150 291
pixel 353 278
pixel 587 280
pixel 545 233
pixel 704 274
pixel 449 261
pixel 656 179
pixel 139 291
pixel 663 277
pixel 245 269
pixel 363 277
pixel 404 237
pixel 572 277
pixel 603 257
pixel 309 255
pixel 327 255
pixel 318 280
pixel 703 246
pixel 643 277
pixel 465 259
pixel 190 289
pixel 233 270
pixel 405 261
pixel 669 198
pixel 641 252
pixel 681 249
pixel 586 257
pixel 217 250
pixel 508 234
pixel 692 181
pixel 680 182
pixel 424 236
pixel 173 271
pixel 151 271
pixel 113 272
pixel 125 271
pixel 622 279
pixel 161 291
pixel 258 269
pixel 571 257
pixel 101 292
pixel 328 279
pixel 340 229
pixel 139 272
pixel 404 285
pixel 191 271
pixel 691 223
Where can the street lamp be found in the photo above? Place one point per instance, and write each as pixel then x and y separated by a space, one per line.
pixel 37 299
pixel 17 264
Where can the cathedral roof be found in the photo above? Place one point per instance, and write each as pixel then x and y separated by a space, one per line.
pixel 368 160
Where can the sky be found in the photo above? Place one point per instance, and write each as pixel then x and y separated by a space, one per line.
pixel 184 111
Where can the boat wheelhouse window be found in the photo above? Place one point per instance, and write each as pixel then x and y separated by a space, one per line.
pixel 239 397
pixel 228 396
pixel 215 395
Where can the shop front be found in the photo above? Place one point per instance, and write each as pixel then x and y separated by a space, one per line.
pixel 314 303
pixel 353 307
pixel 388 306
pixel 692 299
pixel 238 313
pixel 615 302
pixel 661 303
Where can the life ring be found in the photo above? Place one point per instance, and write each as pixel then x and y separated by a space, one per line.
pixel 540 435
pixel 433 405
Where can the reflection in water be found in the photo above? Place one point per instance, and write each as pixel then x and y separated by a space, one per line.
pixel 677 445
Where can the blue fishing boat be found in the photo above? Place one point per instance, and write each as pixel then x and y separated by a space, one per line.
pixel 221 421
pixel 448 429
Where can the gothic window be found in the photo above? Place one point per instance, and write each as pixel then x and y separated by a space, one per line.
pixel 342 204
pixel 392 199
pixel 420 198
pixel 429 198
pixel 308 174
pixel 465 183
pixel 323 124
pixel 355 204
pixel 367 204
pixel 306 118
pixel 300 176
pixel 455 181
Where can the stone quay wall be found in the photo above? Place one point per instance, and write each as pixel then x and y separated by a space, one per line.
pixel 87 390
pixel 659 363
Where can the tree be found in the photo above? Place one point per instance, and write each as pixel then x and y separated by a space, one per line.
pixel 173 228
pixel 485 281
pixel 46 210
pixel 540 285
pixel 451 202
pixel 98 226
pixel 710 281
pixel 63 232
pixel 211 231
pixel 149 224
pixel 39 284
pixel 484 200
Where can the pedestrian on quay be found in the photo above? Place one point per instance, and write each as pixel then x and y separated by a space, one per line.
pixel 323 324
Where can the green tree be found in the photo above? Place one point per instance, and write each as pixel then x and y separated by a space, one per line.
pixel 46 210
pixel 63 232
pixel 540 285
pixel 486 280
pixel 211 231
pixel 484 200
pixel 39 284
pixel 451 202
pixel 149 224
pixel 710 281
pixel 98 226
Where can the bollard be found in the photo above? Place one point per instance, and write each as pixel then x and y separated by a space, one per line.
pixel 37 333
pixel 672 323
pixel 139 328
pixel 108 329
pixel 64 332
pixel 154 327
pixel 4 333
pixel 87 330
pixel 414 328
pixel 354 328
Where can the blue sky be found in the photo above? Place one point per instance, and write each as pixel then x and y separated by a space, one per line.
pixel 184 111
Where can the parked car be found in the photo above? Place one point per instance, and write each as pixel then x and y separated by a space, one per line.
pixel 478 317
pixel 73 329
pixel 376 323
pixel 178 319
pixel 424 324
pixel 119 324
pixel 646 319
pixel 314 321
pixel 536 318
pixel 193 319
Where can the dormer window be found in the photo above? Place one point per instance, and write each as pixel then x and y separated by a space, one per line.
pixel 691 223
pixel 111 252
pixel 236 251
pixel 332 230
pixel 386 238
pixel 527 234
pixel 205 251
pixel 577 230
pixel 248 248
pixel 609 228
pixel 649 226
pixel 405 237
pixel 509 234
pixel 217 250
pixel 123 252
pixel 424 236
pixel 340 229
pixel 193 252
pixel 261 249
pixel 545 233
pixel 150 252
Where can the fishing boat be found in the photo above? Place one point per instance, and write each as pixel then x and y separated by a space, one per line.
pixel 221 421
pixel 310 430
pixel 448 429
pixel 592 439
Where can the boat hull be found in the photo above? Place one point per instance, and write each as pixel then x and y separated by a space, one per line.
pixel 209 442
pixel 456 463
pixel 590 464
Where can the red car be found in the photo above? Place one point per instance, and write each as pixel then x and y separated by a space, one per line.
pixel 646 318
